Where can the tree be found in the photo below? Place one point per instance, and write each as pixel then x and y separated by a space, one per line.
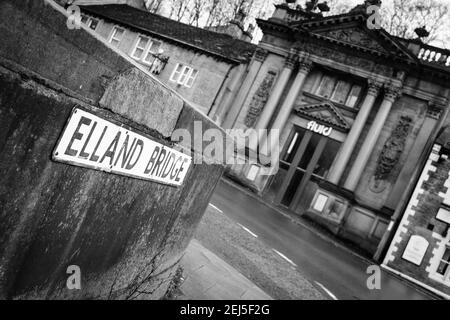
pixel 404 16
pixel 215 14
pixel 401 17
pixel 179 9
pixel 196 11
pixel 153 6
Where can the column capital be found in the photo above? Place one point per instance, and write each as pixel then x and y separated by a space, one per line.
pixel 392 92
pixel 305 65
pixel 291 61
pixel 374 87
pixel 261 54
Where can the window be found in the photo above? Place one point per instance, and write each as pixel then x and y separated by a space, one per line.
pixel 139 50
pixel 90 22
pixel 191 79
pixel 153 48
pixel 443 267
pixel 353 96
pixel 176 73
pixel 146 49
pixel 93 23
pixel 184 75
pixel 294 145
pixel 84 19
pixel 340 91
pixel 116 36
pixel 326 87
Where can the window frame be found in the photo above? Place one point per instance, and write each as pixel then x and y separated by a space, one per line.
pixel 89 20
pixel 149 51
pixel 113 33
pixel 175 71
pixel 136 47
pixel 336 81
pixel 184 75
pixel 191 77
pixel 358 97
pixel 446 275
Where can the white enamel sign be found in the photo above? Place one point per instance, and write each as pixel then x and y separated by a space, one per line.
pixel 92 142
pixel 416 249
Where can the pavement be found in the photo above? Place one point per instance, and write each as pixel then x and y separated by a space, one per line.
pixel 207 277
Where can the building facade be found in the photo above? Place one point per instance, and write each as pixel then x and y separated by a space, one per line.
pixel 203 66
pixel 420 249
pixel 356 108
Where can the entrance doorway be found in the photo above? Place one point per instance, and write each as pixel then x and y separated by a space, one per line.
pixel 306 160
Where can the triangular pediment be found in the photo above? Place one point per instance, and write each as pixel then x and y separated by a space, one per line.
pixel 351 31
pixel 353 36
pixel 325 113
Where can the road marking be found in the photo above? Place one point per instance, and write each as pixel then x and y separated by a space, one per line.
pixel 248 230
pixel 326 290
pixel 214 207
pixel 285 258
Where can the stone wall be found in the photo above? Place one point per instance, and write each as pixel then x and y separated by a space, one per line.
pixel 127 235
pixel 419 220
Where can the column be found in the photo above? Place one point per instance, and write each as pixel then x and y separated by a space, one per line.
pixel 286 108
pixel 247 84
pixel 391 94
pixel 420 143
pixel 225 102
pixel 350 142
pixel 274 98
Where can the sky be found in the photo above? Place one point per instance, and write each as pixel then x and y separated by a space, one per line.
pixel 444 42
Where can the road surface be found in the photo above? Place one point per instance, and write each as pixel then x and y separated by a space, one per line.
pixel 337 272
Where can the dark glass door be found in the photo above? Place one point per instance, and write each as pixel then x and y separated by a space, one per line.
pixel 308 156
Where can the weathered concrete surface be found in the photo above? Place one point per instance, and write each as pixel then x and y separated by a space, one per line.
pixel 128 95
pixel 126 235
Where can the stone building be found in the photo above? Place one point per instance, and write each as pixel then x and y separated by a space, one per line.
pixel 204 66
pixel 357 110
pixel 420 250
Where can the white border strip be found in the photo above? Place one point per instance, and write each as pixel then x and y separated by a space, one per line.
pixel 248 230
pixel 326 290
pixel 214 207
pixel 285 258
